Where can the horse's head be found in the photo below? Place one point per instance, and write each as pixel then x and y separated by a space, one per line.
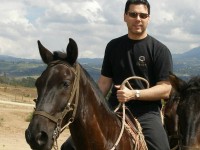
pixel 188 111
pixel 55 99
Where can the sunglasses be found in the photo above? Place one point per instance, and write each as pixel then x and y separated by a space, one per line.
pixel 135 15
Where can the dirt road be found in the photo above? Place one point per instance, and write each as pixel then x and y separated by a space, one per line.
pixel 13 124
pixel 16 103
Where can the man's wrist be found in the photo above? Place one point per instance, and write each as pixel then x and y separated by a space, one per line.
pixel 137 94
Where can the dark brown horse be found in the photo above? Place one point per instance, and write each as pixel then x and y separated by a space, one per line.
pixel 171 120
pixel 67 95
pixel 182 116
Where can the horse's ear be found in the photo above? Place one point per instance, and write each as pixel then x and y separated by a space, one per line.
pixel 45 54
pixel 72 52
pixel 177 83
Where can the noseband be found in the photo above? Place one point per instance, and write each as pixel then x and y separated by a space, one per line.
pixel 74 94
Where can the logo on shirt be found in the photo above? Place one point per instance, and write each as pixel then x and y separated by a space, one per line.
pixel 141 61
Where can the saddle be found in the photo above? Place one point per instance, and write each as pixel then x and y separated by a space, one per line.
pixel 133 127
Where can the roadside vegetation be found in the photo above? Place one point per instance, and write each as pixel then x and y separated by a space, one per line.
pixel 24 81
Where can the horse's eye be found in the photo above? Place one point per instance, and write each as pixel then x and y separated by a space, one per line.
pixel 66 84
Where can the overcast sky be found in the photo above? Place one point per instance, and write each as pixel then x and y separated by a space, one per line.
pixel 92 24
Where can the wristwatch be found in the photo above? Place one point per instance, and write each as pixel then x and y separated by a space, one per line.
pixel 137 94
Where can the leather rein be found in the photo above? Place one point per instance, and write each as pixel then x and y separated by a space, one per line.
pixel 124 83
pixel 70 107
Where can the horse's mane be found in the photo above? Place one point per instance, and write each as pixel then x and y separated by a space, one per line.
pixel 193 84
pixel 57 55
pixel 96 88
pixel 173 98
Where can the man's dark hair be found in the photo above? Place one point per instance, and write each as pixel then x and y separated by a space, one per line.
pixel 129 2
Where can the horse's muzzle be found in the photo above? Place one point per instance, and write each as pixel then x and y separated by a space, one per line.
pixel 37 141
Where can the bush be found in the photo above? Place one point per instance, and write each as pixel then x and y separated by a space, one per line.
pixel 29 117
pixel 26 82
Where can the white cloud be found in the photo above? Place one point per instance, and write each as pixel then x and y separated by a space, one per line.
pixel 176 23
pixel 92 24
pixel 92 11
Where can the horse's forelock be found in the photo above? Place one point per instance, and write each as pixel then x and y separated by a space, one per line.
pixel 57 55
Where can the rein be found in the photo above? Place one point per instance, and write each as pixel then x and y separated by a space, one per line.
pixel 70 107
pixel 126 81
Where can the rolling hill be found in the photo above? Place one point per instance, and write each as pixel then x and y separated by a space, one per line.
pixel 192 54
pixel 185 65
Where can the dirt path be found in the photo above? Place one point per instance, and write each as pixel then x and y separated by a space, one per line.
pixel 16 103
pixel 13 123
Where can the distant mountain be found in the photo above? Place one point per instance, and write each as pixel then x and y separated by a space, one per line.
pixel 185 65
pixel 15 59
pixel 191 54
pixel 92 65
pixel 20 67
pixel 97 61
pixel 5 57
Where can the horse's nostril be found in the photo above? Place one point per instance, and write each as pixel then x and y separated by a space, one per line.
pixel 37 140
pixel 41 138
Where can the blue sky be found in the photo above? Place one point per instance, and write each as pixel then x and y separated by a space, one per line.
pixel 92 24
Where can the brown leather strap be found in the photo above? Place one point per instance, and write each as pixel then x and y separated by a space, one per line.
pixel 43 113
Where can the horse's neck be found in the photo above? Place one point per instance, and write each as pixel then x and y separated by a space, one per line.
pixel 94 118
pixel 94 102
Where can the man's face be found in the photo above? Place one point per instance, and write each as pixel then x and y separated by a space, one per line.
pixel 137 19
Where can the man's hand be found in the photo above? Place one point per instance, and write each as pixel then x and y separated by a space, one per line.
pixel 124 94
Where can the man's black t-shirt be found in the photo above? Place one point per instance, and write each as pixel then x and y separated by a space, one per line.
pixel 147 58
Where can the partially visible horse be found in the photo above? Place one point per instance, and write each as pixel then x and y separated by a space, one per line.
pixel 171 120
pixel 67 95
pixel 182 114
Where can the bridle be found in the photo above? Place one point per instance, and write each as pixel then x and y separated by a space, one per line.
pixel 70 107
